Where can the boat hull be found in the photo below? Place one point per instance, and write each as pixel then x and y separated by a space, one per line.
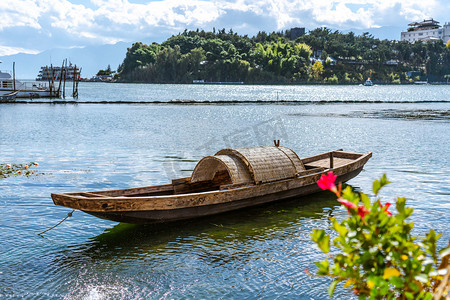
pixel 171 215
pixel 36 94
pixel 9 97
pixel 32 93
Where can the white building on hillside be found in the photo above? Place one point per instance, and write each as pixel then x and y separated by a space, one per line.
pixel 428 30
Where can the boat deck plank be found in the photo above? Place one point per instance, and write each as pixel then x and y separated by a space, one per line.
pixel 325 162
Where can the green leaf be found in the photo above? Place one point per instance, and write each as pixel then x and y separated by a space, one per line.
pixel 339 228
pixel 403 212
pixel 324 244
pixel 428 296
pixel 365 199
pixel 408 211
pixel 378 184
pixel 332 287
pixel 413 286
pixel 349 195
pixel 323 268
pixel 376 187
pixel 397 281
pixel 400 204
pixel 322 240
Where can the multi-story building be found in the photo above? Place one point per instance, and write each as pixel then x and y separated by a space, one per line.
pixel 297 32
pixel 428 30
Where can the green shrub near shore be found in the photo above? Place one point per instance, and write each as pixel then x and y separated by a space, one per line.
pixel 376 253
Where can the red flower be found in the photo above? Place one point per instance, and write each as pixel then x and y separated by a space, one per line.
pixel 326 182
pixel 386 207
pixel 347 203
pixel 362 211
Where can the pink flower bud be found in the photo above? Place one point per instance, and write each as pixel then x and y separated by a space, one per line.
pixel 8 166
pixel 26 167
pixel 347 203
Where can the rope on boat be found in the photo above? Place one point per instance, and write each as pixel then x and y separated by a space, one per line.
pixel 68 215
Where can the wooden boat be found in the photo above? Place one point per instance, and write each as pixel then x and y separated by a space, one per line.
pixel 231 179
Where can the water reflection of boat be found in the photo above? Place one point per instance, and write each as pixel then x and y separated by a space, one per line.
pixel 231 179
pixel 368 82
pixel 259 222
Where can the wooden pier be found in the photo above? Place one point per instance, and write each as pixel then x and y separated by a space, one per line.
pixel 57 76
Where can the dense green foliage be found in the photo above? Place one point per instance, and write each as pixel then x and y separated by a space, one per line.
pixel 377 254
pixel 321 56
pixel 105 72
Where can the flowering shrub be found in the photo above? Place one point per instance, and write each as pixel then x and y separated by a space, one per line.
pixel 8 170
pixel 379 258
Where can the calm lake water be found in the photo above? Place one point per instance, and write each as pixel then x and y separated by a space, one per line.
pixel 248 254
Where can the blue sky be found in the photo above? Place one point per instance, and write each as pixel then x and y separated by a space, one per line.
pixel 32 26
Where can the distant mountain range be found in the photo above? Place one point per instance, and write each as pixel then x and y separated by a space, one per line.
pixel 93 58
pixel 90 58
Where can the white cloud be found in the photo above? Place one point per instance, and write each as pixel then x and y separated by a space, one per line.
pixel 41 24
pixel 19 13
pixel 4 50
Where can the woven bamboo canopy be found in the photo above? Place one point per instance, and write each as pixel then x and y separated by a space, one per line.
pixel 253 165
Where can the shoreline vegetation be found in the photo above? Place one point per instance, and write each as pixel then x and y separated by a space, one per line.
pixel 378 256
pixel 320 57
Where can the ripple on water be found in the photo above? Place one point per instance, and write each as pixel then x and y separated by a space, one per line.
pixel 255 253
pixel 396 114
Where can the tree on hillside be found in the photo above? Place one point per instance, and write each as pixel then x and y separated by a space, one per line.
pixel 139 55
pixel 317 70
pixel 106 72
pixel 185 42
pixel 223 55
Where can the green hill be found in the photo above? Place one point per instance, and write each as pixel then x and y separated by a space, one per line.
pixel 321 56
